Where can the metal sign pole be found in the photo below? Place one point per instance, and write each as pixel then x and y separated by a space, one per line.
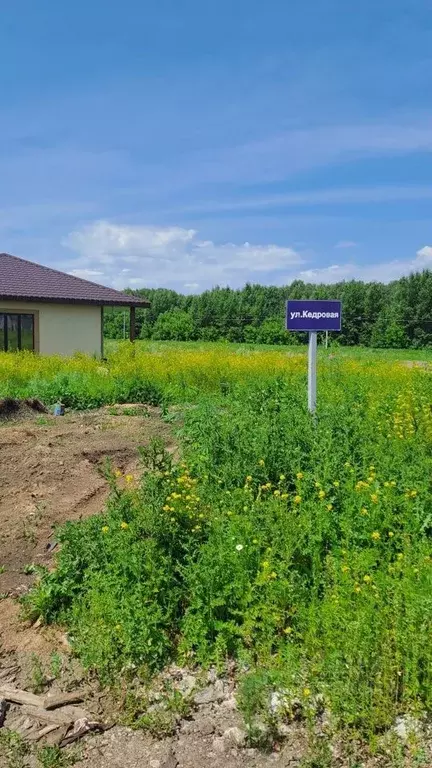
pixel 313 316
pixel 312 372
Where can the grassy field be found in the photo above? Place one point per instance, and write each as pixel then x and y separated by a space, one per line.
pixel 300 547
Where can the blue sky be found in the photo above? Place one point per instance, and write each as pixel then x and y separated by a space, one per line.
pixel 192 144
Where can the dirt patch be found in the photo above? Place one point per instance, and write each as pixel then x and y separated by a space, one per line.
pixel 49 473
pixel 17 410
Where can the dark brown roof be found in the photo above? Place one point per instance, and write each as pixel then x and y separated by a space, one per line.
pixel 26 281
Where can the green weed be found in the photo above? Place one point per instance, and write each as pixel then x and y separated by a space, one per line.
pixel 56 664
pixel 54 757
pixel 37 681
pixel 29 569
pixel 299 547
pixel 13 749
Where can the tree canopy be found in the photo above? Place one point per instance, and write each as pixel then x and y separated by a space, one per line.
pixel 398 314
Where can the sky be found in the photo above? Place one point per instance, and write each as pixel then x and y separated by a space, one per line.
pixel 192 144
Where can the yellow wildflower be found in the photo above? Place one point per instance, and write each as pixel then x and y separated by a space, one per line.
pixel 329 507
pixel 336 483
pixel 300 475
pixel 367 579
pixel 374 498
pixel 364 511
pixel 105 529
pixel 117 472
pixel 124 526
pixel 321 494
pixel 297 499
pixel 306 691
pixel 376 535
pixel 129 478
pixel 261 462
pixel 249 479
pixel 281 478
pixel 276 493
pixel 391 534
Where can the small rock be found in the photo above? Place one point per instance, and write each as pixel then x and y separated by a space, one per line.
pixel 171 761
pixel 278 701
pixel 211 694
pixel 219 744
pixel 406 726
pixel 205 727
pixel 212 675
pixel 230 703
pixel 155 763
pixel 187 684
pixel 234 737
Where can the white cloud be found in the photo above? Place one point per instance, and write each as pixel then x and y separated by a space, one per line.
pixel 383 272
pixel 346 244
pixel 174 256
pixel 86 274
pixel 424 256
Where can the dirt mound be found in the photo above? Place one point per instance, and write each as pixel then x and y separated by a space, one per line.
pixel 17 410
pixel 50 473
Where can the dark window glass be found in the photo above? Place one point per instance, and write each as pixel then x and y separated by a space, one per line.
pixel 16 332
pixel 12 333
pixel 27 332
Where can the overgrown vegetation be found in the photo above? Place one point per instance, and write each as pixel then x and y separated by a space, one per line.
pixel 299 547
pixel 376 315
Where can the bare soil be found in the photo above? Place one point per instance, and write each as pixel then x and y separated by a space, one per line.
pixel 49 473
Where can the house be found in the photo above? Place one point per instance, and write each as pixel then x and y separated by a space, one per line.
pixel 51 312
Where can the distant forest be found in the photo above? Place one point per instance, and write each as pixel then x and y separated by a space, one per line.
pixel 398 314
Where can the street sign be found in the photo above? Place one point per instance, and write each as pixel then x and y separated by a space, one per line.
pixel 313 316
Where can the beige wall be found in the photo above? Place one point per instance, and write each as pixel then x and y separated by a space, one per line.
pixel 62 329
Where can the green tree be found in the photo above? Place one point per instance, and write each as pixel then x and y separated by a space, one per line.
pixel 174 325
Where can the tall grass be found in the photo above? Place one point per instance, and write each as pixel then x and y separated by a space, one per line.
pixel 296 545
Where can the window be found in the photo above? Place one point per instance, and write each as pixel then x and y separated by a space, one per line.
pixel 16 331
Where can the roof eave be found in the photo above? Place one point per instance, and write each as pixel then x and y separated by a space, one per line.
pixel 130 301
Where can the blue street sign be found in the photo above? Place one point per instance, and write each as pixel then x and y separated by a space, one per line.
pixel 313 315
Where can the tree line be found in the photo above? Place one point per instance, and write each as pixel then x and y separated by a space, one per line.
pixel 397 314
